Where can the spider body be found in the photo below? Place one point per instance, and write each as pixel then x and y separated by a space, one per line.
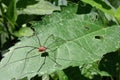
pixel 42 49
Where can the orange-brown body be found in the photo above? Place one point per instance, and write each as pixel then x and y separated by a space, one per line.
pixel 42 49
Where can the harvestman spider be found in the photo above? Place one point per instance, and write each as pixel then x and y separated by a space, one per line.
pixel 41 48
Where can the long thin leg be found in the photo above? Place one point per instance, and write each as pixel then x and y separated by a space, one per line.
pixel 66 59
pixel 61 58
pixel 56 43
pixel 26 46
pixel 53 51
pixel 12 54
pixel 26 59
pixel 38 39
pixel 23 59
pixel 41 65
pixel 44 63
pixel 55 62
pixel 48 38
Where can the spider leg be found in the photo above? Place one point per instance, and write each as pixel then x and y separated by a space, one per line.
pixel 48 38
pixel 38 39
pixel 26 58
pixel 56 43
pixel 12 54
pixel 45 60
pixel 59 65
pixel 23 59
pixel 61 58
pixel 42 65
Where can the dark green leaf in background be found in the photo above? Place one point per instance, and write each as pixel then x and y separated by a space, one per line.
pixel 90 70
pixel 12 13
pixel 40 8
pixel 111 64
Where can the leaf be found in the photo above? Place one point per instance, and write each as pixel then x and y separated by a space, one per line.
pixel 40 8
pixel 62 75
pixel 71 39
pixel 74 73
pixel 62 2
pixel 24 31
pixel 24 3
pixel 111 13
pixel 110 64
pixel 100 5
pixel 90 70
pixel 117 14
pixel 12 13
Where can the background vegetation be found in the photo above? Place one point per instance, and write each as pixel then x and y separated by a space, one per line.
pixel 84 46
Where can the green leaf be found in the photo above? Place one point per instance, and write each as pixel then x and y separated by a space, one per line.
pixel 12 13
pixel 40 8
pixel 100 5
pixel 111 13
pixel 74 73
pixel 62 2
pixel 110 64
pixel 90 70
pixel 71 40
pixel 117 14
pixel 24 31
pixel 62 75
pixel 24 3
